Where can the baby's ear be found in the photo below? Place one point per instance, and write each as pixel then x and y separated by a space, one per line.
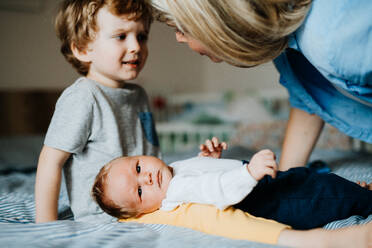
pixel 81 54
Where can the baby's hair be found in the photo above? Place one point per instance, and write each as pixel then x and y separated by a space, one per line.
pixel 76 23
pixel 241 32
pixel 99 196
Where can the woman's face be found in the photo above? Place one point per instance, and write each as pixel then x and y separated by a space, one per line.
pixel 195 45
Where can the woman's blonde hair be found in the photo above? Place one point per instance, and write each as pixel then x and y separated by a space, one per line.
pixel 240 32
pixel 76 23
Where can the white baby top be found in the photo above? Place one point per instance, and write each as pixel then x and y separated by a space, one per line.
pixel 205 180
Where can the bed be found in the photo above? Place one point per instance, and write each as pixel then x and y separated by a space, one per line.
pixel 18 157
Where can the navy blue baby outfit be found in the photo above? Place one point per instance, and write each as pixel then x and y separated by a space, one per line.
pixel 305 199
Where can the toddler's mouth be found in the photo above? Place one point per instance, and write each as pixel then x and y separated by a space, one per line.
pixel 132 63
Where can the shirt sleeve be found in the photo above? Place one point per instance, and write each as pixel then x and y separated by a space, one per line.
pixel 69 128
pixel 289 79
pixel 221 189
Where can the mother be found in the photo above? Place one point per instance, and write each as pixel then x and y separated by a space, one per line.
pixel 321 48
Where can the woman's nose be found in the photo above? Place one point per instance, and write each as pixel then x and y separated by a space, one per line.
pixel 180 38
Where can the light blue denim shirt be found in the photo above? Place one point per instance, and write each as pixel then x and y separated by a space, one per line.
pixel 328 71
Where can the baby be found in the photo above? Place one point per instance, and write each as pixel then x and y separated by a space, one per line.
pixel 150 184
pixel 130 186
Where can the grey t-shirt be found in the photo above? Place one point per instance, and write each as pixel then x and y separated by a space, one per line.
pixel 96 124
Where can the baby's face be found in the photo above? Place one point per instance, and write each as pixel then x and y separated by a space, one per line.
pixel 139 182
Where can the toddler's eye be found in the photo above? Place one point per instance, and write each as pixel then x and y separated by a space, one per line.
pixel 139 191
pixel 138 168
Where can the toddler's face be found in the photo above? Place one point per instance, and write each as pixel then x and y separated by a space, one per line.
pixel 138 182
pixel 119 50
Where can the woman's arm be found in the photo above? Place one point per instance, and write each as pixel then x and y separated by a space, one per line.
pixel 48 183
pixel 302 133
pixel 354 236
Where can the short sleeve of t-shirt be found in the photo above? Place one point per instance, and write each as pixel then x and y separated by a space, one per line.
pixel 286 73
pixel 69 128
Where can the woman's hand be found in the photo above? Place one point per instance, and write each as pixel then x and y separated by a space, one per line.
pixel 212 148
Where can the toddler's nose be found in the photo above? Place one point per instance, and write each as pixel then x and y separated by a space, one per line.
pixel 133 45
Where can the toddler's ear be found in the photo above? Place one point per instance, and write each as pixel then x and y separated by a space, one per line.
pixel 82 55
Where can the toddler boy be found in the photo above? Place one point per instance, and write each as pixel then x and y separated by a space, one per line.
pixel 101 116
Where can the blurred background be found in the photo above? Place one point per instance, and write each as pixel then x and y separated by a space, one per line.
pixel 192 98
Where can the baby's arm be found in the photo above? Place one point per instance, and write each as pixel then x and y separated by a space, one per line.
pixel 212 148
pixel 262 163
pixel 48 183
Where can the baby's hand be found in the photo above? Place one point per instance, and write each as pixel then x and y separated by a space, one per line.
pixel 262 163
pixel 212 148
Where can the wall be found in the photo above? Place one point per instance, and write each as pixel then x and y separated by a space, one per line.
pixel 30 59
pixel 30 55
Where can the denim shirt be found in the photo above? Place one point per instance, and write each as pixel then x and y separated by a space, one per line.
pixel 327 68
